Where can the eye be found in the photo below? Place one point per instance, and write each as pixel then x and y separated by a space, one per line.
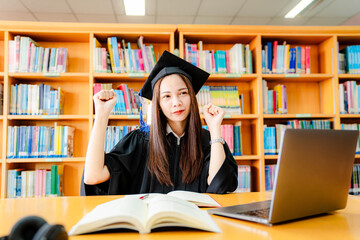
pixel 166 96
pixel 183 93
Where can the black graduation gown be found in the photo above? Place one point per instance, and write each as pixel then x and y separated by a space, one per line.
pixel 127 164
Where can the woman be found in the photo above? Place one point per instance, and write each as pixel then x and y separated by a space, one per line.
pixel 177 154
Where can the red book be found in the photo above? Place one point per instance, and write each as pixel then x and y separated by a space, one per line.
pixel 274 70
pixel 302 59
pixel 124 89
pixel 307 60
pixel 97 88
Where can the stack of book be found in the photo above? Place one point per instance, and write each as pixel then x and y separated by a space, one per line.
pixel 232 136
pixel 349 60
pixel 353 126
pixel 355 181
pixel 121 57
pixel 349 97
pixel 270 176
pixel 40 141
pixel 35 183
pixel 274 101
pixel 128 100
pixel 114 134
pixel 25 55
pixel 283 59
pixel 244 178
pixel 237 60
pixel 273 135
pixel 226 97
pixel 27 99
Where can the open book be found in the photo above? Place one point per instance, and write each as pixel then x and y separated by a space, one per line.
pixel 136 214
pixel 200 199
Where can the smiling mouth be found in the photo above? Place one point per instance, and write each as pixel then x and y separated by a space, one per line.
pixel 178 112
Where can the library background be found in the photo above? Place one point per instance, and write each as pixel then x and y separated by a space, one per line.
pixel 266 78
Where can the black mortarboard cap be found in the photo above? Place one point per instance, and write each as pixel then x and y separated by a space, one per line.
pixel 168 64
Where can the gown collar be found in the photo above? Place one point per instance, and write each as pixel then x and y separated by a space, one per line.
pixel 169 130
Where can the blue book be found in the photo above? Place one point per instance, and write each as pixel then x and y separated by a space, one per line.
pixel 298 60
pixel 115 54
pixel 270 101
pixel 132 67
pixel 18 183
pixel 270 55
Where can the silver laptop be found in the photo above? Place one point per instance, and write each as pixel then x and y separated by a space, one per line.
pixel 312 177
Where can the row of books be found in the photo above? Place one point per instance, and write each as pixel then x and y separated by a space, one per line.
pixel 42 99
pixel 244 178
pixel 270 176
pixel 114 134
pixel 232 136
pixel 275 100
pixel 226 97
pixel 35 183
pixel 273 134
pixel 355 180
pixel 349 97
pixel 120 57
pixel 25 55
pixel 283 59
pixel 237 60
pixel 128 100
pixel 349 60
pixel 40 141
pixel 353 126
pixel 1 98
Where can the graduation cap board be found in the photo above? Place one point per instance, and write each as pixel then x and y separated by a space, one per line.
pixel 168 64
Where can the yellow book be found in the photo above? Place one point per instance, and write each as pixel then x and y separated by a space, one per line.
pixel 278 89
pixel 111 53
pixel 60 138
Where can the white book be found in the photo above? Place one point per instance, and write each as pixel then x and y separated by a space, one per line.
pixel 136 214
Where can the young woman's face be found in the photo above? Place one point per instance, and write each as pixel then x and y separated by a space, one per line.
pixel 174 98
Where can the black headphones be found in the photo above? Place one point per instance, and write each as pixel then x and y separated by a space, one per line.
pixel 36 228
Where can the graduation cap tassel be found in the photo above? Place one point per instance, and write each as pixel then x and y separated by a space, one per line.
pixel 143 126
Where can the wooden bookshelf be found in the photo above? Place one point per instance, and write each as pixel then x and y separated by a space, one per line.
pixel 77 84
pixel 310 96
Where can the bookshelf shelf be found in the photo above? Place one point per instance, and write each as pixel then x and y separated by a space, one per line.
pixel 297 77
pixel 46 160
pixel 121 76
pixel 299 116
pixel 51 77
pixel 247 157
pixel 124 117
pixel 349 115
pixel 349 76
pixel 232 77
pixel 271 157
pixel 48 117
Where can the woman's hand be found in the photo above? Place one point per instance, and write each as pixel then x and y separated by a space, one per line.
pixel 213 117
pixel 104 102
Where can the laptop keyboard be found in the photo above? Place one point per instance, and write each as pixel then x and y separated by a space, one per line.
pixel 260 213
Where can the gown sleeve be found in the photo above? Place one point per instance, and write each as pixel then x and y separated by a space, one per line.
pixel 126 163
pixel 226 179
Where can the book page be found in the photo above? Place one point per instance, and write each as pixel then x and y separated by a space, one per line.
pixel 108 216
pixel 200 199
pixel 171 211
